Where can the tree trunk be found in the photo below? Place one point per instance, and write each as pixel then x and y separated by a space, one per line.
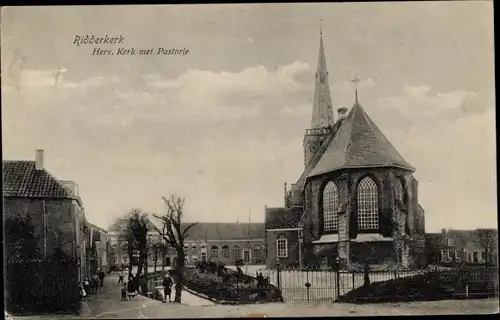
pixel 156 261
pixel 179 282
pixel 130 265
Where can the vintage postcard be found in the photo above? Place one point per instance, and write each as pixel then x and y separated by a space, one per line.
pixel 249 160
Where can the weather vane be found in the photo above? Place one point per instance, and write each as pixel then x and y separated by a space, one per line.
pixel 355 81
pixel 321 26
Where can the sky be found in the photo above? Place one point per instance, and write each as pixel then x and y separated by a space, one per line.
pixel 223 125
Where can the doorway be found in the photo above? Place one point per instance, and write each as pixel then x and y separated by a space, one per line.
pixel 167 261
pixel 246 256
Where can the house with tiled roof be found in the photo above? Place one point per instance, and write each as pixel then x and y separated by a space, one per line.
pixel 54 207
pixel 357 198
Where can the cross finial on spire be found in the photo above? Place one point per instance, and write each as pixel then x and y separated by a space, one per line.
pixel 320 27
pixel 355 80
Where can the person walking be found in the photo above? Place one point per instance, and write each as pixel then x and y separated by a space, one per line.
pixel 167 288
pixel 101 277
pixel 120 277
pixel 124 292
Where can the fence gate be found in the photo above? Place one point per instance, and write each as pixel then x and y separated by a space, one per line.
pixel 305 285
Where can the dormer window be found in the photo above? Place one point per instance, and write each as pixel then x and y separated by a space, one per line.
pixel 451 242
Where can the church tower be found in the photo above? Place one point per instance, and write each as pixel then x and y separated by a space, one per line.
pixel 322 117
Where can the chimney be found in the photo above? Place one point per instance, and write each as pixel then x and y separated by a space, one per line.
pixel 39 159
pixel 342 113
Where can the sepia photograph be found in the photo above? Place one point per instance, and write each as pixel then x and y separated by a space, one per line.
pixel 249 160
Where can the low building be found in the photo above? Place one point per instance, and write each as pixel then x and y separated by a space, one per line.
pixel 224 242
pixel 482 247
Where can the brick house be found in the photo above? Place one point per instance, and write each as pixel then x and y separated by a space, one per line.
pixel 452 245
pixel 283 237
pixel 56 211
pixel 357 196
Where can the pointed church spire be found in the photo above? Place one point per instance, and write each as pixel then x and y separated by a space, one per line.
pixel 322 104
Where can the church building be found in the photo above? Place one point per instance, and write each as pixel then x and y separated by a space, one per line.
pixel 356 199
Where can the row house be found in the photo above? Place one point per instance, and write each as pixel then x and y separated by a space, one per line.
pixel 54 207
pixel 98 249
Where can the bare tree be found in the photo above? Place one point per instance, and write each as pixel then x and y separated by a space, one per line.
pixel 174 232
pixel 137 229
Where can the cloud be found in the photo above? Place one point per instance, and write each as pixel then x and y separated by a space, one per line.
pixel 421 102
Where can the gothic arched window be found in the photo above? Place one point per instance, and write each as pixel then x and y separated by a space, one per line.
pixel 282 247
pixel 367 204
pixel 330 207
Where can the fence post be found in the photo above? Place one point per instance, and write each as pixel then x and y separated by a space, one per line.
pixel 353 279
pixel 278 273
pixel 337 284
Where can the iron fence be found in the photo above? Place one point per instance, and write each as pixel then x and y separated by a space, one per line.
pixel 298 285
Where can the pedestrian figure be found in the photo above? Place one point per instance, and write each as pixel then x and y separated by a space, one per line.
pixel 101 277
pixel 124 292
pixel 120 277
pixel 95 282
pixel 167 288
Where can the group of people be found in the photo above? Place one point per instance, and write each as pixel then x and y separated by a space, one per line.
pixel 129 289
pixel 93 284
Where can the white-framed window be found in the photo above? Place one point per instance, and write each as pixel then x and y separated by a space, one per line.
pixel 282 247
pixel 214 252
pixel 257 252
pixel 330 207
pixel 444 255
pixel 451 242
pixel 368 204
pixel 236 252
pixel 225 252
pixel 458 255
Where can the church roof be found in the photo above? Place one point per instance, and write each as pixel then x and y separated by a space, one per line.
pixel 358 144
pixel 282 218
pixel 225 231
